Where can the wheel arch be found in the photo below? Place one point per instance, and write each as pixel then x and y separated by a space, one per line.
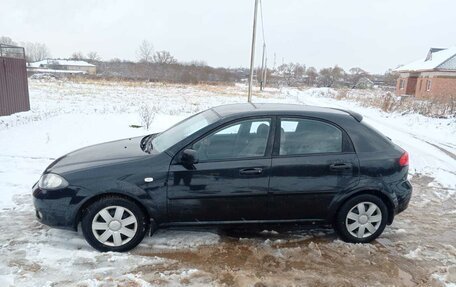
pixel 385 198
pixel 100 196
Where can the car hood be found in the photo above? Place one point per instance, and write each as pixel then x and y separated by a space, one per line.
pixel 97 155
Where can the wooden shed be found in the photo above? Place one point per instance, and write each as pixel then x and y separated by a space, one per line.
pixel 14 94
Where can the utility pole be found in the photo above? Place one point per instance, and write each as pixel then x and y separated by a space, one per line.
pixel 262 68
pixel 252 53
pixel 275 57
pixel 265 71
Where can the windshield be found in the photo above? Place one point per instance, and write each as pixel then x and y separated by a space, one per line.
pixel 183 129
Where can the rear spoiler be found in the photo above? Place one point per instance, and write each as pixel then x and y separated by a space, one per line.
pixel 355 115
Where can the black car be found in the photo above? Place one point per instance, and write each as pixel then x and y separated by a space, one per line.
pixel 232 164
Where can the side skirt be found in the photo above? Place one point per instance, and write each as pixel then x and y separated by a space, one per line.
pixel 241 222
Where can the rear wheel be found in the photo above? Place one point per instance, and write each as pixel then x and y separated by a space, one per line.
pixel 114 224
pixel 361 219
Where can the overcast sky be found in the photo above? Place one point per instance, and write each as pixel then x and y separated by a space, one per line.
pixel 372 34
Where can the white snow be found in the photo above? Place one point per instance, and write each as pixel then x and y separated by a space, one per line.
pixel 438 58
pixel 172 239
pixel 68 115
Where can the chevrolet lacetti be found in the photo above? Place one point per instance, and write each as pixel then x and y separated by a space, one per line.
pixel 232 164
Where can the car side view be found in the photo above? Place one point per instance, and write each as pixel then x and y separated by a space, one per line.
pixel 231 164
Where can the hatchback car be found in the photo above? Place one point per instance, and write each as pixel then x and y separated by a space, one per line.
pixel 232 164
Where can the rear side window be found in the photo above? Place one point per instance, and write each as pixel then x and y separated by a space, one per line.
pixel 368 139
pixel 306 136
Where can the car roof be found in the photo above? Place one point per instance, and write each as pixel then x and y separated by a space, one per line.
pixel 280 109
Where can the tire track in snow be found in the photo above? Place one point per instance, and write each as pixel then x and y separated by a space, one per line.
pixel 444 150
pixel 27 157
pixel 437 145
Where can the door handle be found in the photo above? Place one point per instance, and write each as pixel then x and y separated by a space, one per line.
pixel 340 166
pixel 251 171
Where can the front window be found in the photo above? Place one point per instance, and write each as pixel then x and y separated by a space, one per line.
pixel 183 129
pixel 243 139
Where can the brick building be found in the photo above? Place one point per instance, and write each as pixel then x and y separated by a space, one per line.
pixel 432 77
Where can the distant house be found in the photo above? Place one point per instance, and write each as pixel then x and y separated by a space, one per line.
pixel 431 77
pixel 62 66
pixel 364 83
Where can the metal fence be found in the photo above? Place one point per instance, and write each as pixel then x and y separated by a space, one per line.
pixel 14 95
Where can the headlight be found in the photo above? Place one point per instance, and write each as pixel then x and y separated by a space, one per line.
pixel 52 181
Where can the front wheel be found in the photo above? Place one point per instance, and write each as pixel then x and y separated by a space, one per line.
pixel 114 224
pixel 361 219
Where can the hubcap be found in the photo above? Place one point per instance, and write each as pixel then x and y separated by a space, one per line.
pixel 114 225
pixel 363 219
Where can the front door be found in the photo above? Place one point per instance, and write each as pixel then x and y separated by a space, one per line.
pixel 230 180
pixel 313 160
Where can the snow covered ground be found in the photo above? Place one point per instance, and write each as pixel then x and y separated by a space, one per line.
pixel 419 248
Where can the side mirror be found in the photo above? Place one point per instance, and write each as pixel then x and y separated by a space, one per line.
pixel 189 157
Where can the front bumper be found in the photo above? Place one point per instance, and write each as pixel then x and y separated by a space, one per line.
pixel 55 207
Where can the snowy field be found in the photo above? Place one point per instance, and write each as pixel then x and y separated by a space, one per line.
pixel 418 249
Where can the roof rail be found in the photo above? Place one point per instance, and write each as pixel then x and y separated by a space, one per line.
pixel 355 115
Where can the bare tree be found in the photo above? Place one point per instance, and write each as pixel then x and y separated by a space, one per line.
pixel 36 52
pixel 147 115
pixel 329 77
pixel 357 71
pixel 77 56
pixel 292 73
pixel 164 57
pixel 93 56
pixel 356 74
pixel 390 77
pixel 198 63
pixel 181 73
pixel 7 41
pixel 312 76
pixel 145 52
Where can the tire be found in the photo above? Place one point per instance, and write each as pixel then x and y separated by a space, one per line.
pixel 361 219
pixel 114 224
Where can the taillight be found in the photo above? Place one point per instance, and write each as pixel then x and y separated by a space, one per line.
pixel 404 159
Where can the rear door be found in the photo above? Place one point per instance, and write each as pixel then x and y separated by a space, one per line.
pixel 312 161
pixel 230 181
